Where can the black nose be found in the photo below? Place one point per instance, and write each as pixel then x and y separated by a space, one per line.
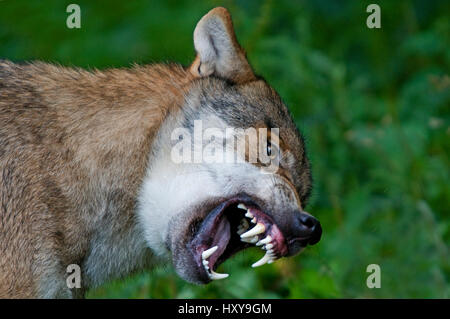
pixel 308 228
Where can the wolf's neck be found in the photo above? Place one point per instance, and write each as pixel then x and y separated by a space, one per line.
pixel 109 120
pixel 103 126
pixel 114 114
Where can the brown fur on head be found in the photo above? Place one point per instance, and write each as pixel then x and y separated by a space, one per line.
pixel 87 175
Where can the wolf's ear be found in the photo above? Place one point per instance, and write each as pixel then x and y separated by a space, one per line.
pixel 218 51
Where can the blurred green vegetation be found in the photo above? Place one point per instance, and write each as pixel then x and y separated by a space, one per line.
pixel 373 104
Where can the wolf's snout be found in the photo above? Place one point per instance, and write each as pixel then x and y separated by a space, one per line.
pixel 306 229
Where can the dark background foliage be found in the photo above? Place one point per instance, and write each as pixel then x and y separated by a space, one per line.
pixel 373 104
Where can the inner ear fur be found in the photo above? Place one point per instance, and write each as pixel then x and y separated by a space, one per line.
pixel 218 51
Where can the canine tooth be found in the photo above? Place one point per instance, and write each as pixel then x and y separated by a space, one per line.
pixel 258 229
pixel 248 214
pixel 262 261
pixel 205 262
pixel 266 240
pixel 268 246
pixel 250 240
pixel 216 276
pixel 254 220
pixel 242 206
pixel 209 252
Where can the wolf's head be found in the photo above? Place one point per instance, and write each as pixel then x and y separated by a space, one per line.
pixel 208 193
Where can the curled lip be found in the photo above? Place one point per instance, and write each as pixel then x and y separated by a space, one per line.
pixel 222 233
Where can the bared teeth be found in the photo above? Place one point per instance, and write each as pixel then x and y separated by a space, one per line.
pixel 248 236
pixel 266 240
pixel 207 253
pixel 266 259
pixel 216 276
pixel 251 240
pixel 212 275
pixel 270 255
pixel 258 229
pixel 242 206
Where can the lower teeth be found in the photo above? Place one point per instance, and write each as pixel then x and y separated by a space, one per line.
pixel 216 276
pixel 266 244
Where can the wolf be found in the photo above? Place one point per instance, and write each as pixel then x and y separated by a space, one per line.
pixel 87 175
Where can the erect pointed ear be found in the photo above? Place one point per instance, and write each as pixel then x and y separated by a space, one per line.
pixel 218 51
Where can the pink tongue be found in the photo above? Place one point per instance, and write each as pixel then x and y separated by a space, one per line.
pixel 220 239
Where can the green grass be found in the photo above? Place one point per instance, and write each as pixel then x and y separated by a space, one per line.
pixel 373 104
